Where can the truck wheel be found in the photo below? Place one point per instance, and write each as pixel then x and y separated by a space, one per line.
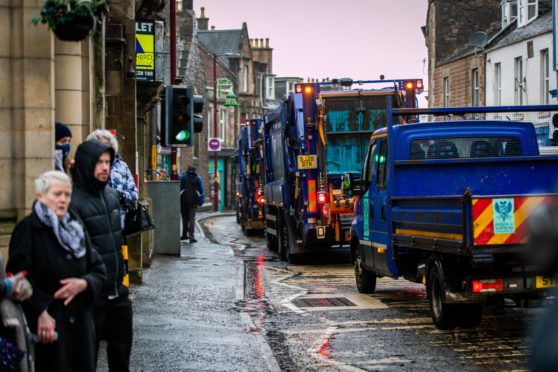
pixel 470 315
pixel 237 214
pixel 282 237
pixel 365 279
pixel 443 315
pixel 291 244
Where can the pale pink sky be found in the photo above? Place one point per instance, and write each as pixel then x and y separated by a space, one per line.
pixel 360 39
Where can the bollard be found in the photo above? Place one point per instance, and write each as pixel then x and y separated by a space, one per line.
pixel 126 278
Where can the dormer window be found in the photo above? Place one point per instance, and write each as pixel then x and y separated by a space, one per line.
pixel 527 11
pixel 509 12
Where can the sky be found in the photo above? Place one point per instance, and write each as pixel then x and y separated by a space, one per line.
pixel 359 39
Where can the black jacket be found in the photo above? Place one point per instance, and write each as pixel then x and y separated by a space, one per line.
pixel 35 248
pixel 97 205
pixel 190 183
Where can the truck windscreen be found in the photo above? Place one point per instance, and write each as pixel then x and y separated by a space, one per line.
pixel 349 122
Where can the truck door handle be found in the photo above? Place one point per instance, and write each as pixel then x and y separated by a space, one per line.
pixel 383 211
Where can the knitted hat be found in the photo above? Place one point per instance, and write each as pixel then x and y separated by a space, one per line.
pixel 191 168
pixel 62 131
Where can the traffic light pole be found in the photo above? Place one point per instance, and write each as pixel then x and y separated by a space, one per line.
pixel 174 160
pixel 215 157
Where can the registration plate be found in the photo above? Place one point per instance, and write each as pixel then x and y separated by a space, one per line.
pixel 307 161
pixel 545 282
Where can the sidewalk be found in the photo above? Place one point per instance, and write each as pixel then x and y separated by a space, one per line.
pixel 188 314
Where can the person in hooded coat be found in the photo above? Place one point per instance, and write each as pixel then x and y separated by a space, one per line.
pixel 65 273
pixel 98 206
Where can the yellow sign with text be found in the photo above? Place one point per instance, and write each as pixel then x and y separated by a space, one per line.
pixel 307 162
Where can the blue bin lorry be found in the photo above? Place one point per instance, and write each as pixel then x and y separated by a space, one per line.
pixel 249 194
pixel 314 143
pixel 447 204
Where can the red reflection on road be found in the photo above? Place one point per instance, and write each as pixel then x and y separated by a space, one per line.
pixel 260 292
pixel 324 348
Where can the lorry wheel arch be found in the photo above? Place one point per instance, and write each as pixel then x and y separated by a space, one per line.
pixel 365 279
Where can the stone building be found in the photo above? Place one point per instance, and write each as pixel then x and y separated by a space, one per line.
pixel 248 65
pixel 456 68
pixel 42 80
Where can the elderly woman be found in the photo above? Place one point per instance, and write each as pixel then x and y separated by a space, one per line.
pixel 121 178
pixel 66 274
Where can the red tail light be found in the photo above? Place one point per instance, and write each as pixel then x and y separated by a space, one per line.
pixel 487 285
pixel 322 197
pixel 298 88
pixel 325 212
pixel 419 85
pixel 260 197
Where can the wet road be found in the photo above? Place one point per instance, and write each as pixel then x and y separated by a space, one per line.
pixel 312 317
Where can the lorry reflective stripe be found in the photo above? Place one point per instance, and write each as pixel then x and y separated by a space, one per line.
pixel 503 220
pixel 430 234
pixel 312 196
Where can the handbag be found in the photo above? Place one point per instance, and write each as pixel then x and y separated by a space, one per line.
pixel 137 219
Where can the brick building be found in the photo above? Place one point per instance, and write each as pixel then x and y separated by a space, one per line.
pixel 456 69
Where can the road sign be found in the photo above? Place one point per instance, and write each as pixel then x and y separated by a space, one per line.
pixel 214 144
pixel 145 50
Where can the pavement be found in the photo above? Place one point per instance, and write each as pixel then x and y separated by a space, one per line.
pixel 189 315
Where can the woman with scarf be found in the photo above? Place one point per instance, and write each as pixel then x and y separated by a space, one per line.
pixel 65 273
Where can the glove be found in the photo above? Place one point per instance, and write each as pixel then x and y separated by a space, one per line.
pixel 17 287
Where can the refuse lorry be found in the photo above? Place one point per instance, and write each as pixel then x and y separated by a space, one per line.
pixel 314 143
pixel 447 203
pixel 249 194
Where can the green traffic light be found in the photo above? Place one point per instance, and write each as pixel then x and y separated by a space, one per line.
pixel 182 135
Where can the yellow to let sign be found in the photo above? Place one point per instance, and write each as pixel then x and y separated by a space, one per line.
pixel 145 57
pixel 307 162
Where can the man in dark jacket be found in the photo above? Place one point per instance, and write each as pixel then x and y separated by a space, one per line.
pixel 191 195
pixel 99 208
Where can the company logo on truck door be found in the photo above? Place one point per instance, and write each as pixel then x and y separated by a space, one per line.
pixel 503 220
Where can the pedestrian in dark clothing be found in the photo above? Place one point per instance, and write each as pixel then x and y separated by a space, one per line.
pixel 98 206
pixel 191 196
pixel 66 274
pixel 62 143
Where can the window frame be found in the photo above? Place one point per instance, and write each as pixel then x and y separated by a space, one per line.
pixel 475 87
pixel 523 10
pixel 518 80
pixel 545 76
pixel 446 91
pixel 498 84
pixel 381 179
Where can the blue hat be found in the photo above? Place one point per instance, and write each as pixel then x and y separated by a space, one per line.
pixel 61 131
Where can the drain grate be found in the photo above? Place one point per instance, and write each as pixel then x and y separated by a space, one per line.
pixel 322 302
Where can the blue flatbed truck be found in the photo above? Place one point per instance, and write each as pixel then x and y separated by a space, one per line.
pixel 314 142
pixel 447 204
pixel 249 194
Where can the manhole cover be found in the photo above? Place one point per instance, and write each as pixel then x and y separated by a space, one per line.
pixel 322 302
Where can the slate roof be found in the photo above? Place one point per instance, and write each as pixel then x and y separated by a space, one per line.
pixel 222 42
pixel 541 25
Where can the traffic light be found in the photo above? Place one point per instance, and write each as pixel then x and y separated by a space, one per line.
pixel 198 116
pixel 179 117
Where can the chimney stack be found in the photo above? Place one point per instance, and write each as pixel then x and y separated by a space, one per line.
pixel 202 20
pixel 212 27
pixel 267 42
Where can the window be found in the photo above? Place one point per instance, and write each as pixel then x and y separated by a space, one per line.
pixel 245 78
pixel 498 84
pixel 475 87
pixel 509 12
pixel 545 77
pixel 381 160
pixel 464 147
pixel 270 84
pixel 222 122
pixel 527 11
pixel 446 88
pixel 518 82
pixel 369 163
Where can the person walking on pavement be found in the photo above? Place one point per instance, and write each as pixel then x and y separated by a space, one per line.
pixel 62 141
pixel 191 196
pixel 98 206
pixel 121 178
pixel 66 275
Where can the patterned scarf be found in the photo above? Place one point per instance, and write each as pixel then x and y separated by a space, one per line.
pixel 69 232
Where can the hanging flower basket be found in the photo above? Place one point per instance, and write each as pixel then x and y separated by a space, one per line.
pixel 71 20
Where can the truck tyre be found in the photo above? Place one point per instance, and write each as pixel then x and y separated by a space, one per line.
pixel 291 243
pixel 470 315
pixel 282 236
pixel 444 315
pixel 365 279
pixel 237 213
